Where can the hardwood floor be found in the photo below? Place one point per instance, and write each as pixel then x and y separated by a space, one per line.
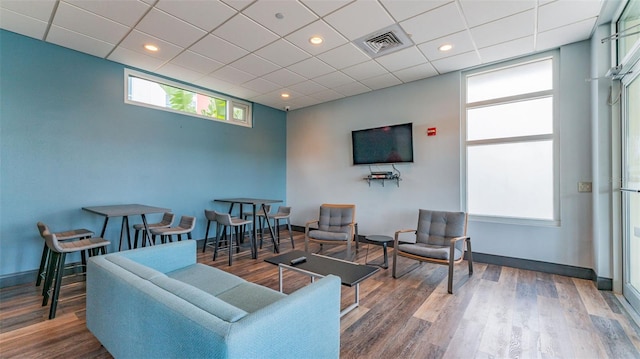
pixel 499 312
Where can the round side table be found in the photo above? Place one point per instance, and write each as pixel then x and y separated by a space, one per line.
pixel 382 240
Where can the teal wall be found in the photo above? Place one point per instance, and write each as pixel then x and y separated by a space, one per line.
pixel 68 140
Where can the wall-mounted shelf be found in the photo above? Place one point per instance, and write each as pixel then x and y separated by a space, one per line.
pixel 395 178
pixel 384 176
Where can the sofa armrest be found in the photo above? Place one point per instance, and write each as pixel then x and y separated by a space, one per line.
pixel 305 324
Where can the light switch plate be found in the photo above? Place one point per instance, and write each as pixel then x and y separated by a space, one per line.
pixel 584 187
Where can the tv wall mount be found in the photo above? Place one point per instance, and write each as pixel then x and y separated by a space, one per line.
pixel 382 176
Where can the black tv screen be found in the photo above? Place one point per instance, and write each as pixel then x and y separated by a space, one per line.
pixel 380 145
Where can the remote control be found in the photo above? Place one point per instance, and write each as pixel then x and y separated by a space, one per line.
pixel 298 260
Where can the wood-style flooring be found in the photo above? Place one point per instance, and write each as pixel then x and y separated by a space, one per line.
pixel 499 312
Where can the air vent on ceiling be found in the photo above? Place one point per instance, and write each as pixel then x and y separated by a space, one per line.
pixel 384 41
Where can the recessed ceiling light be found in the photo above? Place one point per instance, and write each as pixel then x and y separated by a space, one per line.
pixel 445 47
pixel 284 95
pixel 152 48
pixel 316 40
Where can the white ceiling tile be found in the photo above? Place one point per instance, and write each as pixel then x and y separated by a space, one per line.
pixel 404 9
pixel 323 7
pixel 461 42
pixel 565 35
pixel 332 38
pixel 402 59
pixel 346 19
pixel 196 62
pixel 179 73
pixel 282 53
pixel 481 12
pixel 238 4
pixel 307 87
pixel 344 56
pixel 205 14
pixel 563 12
pixel 333 79
pixel 352 89
pixel 73 40
pixel 232 75
pixel 169 28
pixel 246 33
pixel 75 19
pixel 242 92
pixel 136 40
pixel 125 12
pixel 295 15
pixel 381 81
pixel 311 68
pixel 22 24
pixel 214 84
pixel 456 62
pixel 506 50
pixel 284 77
pixel 255 65
pixel 260 85
pixel 519 25
pixel 365 70
pixel 218 49
pixel 416 73
pixel 303 101
pixel 40 10
pixel 433 24
pixel 327 95
pixel 134 59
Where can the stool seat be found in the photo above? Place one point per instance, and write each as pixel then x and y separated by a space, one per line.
pixel 167 221
pixel 186 226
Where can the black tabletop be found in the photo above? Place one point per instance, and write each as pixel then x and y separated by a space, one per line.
pixel 350 273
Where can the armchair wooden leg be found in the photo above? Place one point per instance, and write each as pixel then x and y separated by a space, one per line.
pixel 450 284
pixel 469 256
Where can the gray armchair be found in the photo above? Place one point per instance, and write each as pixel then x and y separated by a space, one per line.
pixel 336 225
pixel 440 238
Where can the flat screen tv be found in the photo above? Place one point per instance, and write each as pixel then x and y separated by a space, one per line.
pixel 383 145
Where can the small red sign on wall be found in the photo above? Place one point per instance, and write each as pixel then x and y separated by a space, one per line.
pixel 431 131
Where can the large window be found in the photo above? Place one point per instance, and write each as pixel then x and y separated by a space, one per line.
pixel 511 145
pixel 150 91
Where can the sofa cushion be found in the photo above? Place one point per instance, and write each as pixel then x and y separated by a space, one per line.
pixel 200 299
pixel 136 268
pixel 250 297
pixel 211 280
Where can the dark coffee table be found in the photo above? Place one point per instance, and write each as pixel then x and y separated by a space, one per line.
pixel 350 273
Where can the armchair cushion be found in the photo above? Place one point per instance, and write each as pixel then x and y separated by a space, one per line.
pixel 429 250
pixel 328 236
pixel 336 219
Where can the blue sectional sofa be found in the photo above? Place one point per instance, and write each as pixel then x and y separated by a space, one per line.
pixel 157 302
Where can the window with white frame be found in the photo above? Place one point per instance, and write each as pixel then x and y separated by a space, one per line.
pixel 151 91
pixel 511 142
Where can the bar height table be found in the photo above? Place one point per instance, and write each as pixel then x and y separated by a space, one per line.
pixel 124 211
pixel 254 202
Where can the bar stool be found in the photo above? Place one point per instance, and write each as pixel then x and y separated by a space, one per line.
pixel 186 226
pixel 284 213
pixel 62 236
pixel 211 217
pixel 225 220
pixel 260 217
pixel 167 221
pixel 59 252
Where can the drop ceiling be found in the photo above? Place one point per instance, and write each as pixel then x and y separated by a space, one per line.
pixel 258 50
